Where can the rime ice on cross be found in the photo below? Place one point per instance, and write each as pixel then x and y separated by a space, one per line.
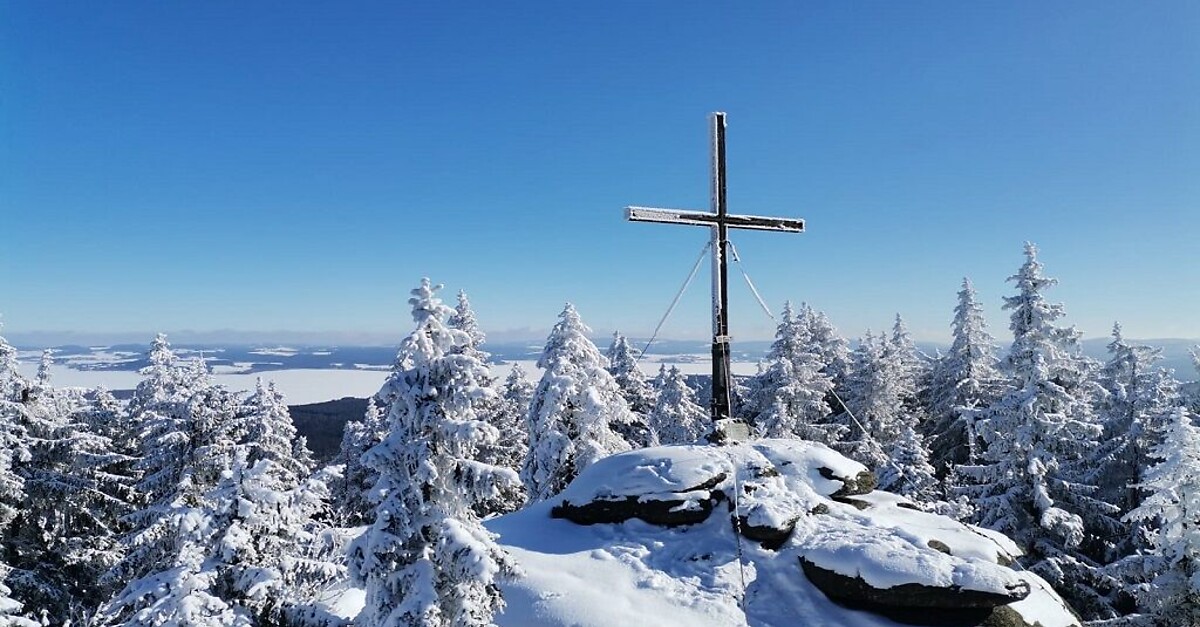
pixel 720 221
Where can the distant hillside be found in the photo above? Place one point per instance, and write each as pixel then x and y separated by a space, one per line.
pixel 323 423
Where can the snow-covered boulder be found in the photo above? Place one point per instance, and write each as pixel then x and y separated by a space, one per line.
pixel 677 487
pixel 830 547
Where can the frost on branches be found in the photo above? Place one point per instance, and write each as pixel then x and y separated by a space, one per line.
pixel 351 487
pixel 224 534
pixel 1037 435
pixel 788 398
pixel 963 379
pixel 1171 512
pixel 676 418
pixel 427 560
pixel 623 366
pixel 575 413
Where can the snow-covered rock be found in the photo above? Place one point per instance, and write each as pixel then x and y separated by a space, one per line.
pixel 706 573
pixel 861 549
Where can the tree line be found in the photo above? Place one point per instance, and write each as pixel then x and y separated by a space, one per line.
pixel 191 504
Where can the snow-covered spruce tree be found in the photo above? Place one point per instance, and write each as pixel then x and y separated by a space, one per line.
pixel 12 385
pixel 1170 513
pixel 833 351
pixel 677 418
pixel 265 425
pixel 1140 396
pixel 10 608
pixel 226 536
pixel 576 410
pixel 790 393
pixel 351 488
pixel 427 560
pixel 516 395
pixel 879 390
pixel 908 471
pixel 623 366
pixel 507 414
pixel 184 456
pixel 77 491
pixel 965 377
pixel 1194 400
pixel 1029 484
pixel 268 551
pixel 464 320
pixel 12 497
pixel 911 365
pixel 870 404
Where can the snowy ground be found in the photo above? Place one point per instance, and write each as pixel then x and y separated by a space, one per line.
pixel 635 573
pixel 305 386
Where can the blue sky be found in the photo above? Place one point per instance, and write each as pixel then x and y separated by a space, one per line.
pixel 299 166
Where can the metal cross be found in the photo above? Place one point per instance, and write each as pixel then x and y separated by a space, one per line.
pixel 720 221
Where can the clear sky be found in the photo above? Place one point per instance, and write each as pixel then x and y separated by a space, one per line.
pixel 299 166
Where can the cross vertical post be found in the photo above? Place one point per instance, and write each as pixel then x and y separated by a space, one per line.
pixel 722 405
pixel 719 220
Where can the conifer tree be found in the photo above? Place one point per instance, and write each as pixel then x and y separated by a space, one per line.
pixel 623 366
pixel 426 559
pixel 676 418
pixel 833 352
pixel 965 378
pixel 266 425
pixel 12 486
pixel 869 403
pixel 908 471
pixel 1139 397
pixel 879 391
pixel 12 384
pixel 1030 483
pixel 350 489
pixel 77 491
pixel 464 320
pixel 1170 512
pixel 10 608
pixel 575 410
pixel 790 393
pixel 509 420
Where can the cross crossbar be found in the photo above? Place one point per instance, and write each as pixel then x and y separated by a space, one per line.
pixel 704 218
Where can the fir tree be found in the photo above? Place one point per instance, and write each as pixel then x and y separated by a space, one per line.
pixel 1139 396
pixel 12 384
pixel 965 378
pixel 908 471
pixel 350 489
pixel 574 412
pixel 1030 483
pixel 426 559
pixel 464 320
pixel 676 418
pixel 833 352
pixel 1170 512
pixel 77 491
pixel 266 424
pixel 623 366
pixel 865 398
pixel 509 420
pixel 790 393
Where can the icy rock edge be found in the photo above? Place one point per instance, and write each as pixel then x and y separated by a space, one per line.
pixel 863 549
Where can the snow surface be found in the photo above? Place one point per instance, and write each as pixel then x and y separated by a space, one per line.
pixel 635 573
pixel 299 386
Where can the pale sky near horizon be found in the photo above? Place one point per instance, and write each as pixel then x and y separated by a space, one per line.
pixel 299 166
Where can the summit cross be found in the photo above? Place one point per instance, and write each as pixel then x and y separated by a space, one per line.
pixel 720 221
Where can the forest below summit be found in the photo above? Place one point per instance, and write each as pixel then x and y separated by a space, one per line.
pixel 195 504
